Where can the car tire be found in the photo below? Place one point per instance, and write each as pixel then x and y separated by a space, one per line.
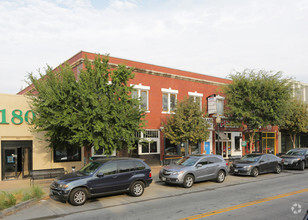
pixel 188 181
pixel 137 189
pixel 220 176
pixel 278 169
pixel 254 172
pixel 302 165
pixel 78 196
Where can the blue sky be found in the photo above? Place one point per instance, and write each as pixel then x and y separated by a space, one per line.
pixel 212 37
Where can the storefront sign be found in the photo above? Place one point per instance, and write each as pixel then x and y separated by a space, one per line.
pixel 17 117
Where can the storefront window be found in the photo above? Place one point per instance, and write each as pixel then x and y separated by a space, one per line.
pixel 150 142
pixel 170 149
pixel 67 154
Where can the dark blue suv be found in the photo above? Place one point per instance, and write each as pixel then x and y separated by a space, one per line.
pixel 103 177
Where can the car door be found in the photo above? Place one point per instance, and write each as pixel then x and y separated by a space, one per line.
pixel 126 171
pixel 273 162
pixel 103 181
pixel 263 164
pixel 207 170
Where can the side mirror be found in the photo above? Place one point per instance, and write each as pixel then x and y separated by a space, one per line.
pixel 199 165
pixel 261 161
pixel 100 174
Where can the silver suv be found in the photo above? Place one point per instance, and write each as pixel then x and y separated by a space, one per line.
pixel 195 168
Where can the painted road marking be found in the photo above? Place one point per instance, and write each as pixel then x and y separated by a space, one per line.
pixel 206 214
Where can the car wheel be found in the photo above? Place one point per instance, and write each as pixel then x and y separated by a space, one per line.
pixel 302 165
pixel 78 196
pixel 220 176
pixel 188 181
pixel 255 172
pixel 137 189
pixel 278 169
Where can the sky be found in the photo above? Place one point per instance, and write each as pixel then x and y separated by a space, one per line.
pixel 211 37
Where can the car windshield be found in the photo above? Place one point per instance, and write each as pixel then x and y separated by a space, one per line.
pixel 251 158
pixel 89 168
pixel 296 152
pixel 187 161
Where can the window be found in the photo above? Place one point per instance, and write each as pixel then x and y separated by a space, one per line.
pixel 139 165
pixel 169 100
pixel 150 142
pixel 126 166
pixel 142 93
pixel 100 152
pixel 109 168
pixel 197 97
pixel 68 154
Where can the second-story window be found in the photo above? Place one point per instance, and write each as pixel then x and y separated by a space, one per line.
pixel 169 100
pixel 197 97
pixel 142 93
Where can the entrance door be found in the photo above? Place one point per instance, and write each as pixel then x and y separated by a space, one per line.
pixel 16 159
pixel 9 163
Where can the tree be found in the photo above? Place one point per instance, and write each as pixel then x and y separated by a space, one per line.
pixel 187 124
pixel 295 119
pixel 256 99
pixel 95 110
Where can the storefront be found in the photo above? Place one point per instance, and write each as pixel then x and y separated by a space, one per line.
pixel 228 139
pixel 22 150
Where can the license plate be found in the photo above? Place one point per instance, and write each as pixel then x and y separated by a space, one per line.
pixel 163 178
pixel 286 163
pixel 236 170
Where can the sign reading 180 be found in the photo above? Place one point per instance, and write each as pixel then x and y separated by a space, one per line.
pixel 17 117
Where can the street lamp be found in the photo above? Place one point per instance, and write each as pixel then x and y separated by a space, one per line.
pixel 218 121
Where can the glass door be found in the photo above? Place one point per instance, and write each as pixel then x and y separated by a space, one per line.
pixel 9 163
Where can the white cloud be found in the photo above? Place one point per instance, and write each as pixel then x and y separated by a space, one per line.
pixel 209 37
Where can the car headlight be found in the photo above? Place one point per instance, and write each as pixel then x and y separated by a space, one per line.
pixel 63 186
pixel 177 172
pixel 247 167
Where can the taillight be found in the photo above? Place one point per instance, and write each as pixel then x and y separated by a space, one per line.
pixel 150 174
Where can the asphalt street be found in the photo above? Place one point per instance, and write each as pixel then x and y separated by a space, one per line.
pixel 269 196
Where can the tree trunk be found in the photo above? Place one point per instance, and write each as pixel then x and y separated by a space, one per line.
pixel 87 153
pixel 293 137
pixel 251 139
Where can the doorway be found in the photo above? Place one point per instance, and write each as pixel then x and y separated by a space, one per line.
pixel 16 159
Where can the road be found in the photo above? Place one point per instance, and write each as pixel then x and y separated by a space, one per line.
pixel 269 196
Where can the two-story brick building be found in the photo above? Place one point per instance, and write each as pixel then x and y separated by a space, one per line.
pixel 160 88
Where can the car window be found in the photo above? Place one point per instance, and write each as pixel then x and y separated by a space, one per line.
pixel 108 168
pixel 187 161
pixel 272 157
pixel 251 158
pixel 265 158
pixel 126 166
pixel 139 165
pixel 204 161
pixel 296 152
pixel 214 160
pixel 89 168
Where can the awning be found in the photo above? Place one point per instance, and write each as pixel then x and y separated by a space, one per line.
pixel 222 136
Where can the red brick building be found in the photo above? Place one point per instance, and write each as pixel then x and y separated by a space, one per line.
pixel 159 88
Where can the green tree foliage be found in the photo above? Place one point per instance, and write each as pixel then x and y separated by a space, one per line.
pixel 94 110
pixel 295 119
pixel 186 124
pixel 256 99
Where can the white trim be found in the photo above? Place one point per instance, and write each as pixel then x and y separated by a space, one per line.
pixel 157 140
pixel 140 86
pixel 195 94
pixel 170 91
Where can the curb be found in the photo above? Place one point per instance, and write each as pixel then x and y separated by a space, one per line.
pixel 16 207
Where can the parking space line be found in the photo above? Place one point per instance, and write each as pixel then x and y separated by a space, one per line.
pixel 206 214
